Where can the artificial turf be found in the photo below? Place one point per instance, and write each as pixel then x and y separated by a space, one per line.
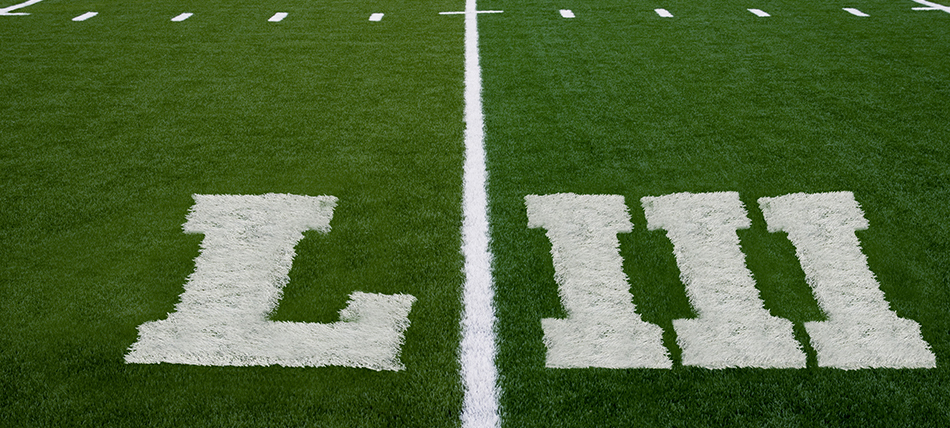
pixel 812 99
pixel 110 125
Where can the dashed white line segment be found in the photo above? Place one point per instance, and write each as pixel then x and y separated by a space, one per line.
pixel 931 6
pixel 6 11
pixel 664 13
pixel 85 16
pixel 279 16
pixel 760 13
pixel 855 12
pixel 376 17
pixel 567 13
pixel 182 17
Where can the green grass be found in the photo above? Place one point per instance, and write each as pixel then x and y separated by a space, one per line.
pixel 108 128
pixel 812 99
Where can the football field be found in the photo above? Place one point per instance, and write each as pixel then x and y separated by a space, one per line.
pixel 537 213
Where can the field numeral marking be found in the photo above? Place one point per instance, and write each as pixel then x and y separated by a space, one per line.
pixel 733 328
pixel 862 331
pixel 245 259
pixel 602 328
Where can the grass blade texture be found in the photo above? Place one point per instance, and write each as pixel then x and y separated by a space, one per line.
pixel 109 126
pixel 621 101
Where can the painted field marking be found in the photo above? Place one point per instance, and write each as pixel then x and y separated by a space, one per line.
pixel 477 11
pixel 182 17
pixel 279 16
pixel 246 256
pixel 733 329
pixel 376 17
pixel 6 10
pixel 85 16
pixel 478 348
pixel 931 6
pixel 759 13
pixel 861 330
pixel 855 12
pixel 602 328
pixel 567 13
pixel 664 13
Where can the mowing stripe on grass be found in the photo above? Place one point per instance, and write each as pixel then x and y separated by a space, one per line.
pixel 855 12
pixel 6 10
pixel 182 17
pixel 567 13
pixel 931 6
pixel 376 17
pixel 279 16
pixel 85 16
pixel 664 13
pixel 477 353
pixel 759 13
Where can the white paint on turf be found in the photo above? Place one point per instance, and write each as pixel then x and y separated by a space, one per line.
pixel 861 331
pixel 733 329
pixel 463 12
pixel 240 273
pixel 602 328
pixel 6 11
pixel 760 13
pixel 664 13
pixel 279 16
pixel 85 16
pixel 478 349
pixel 376 17
pixel 855 12
pixel 182 17
pixel 931 6
pixel 567 13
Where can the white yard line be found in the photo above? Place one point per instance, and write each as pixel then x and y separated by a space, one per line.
pixel 6 10
pixel 567 13
pixel 664 13
pixel 85 16
pixel 931 6
pixel 279 16
pixel 760 13
pixel 477 353
pixel 182 17
pixel 855 12
pixel 376 17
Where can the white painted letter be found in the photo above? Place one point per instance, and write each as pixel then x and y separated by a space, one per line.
pixel 602 328
pixel 240 273
pixel 733 329
pixel 862 331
